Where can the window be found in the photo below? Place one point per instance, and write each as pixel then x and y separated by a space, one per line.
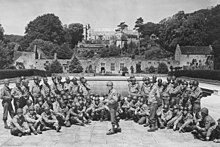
pixel 122 65
pixel 149 62
pixel 102 64
pixel 112 66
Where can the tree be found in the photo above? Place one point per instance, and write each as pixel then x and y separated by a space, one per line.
pixel 138 68
pixel 151 69
pixel 162 68
pixel 64 52
pixel 55 67
pixel 139 24
pixel 73 34
pixel 47 47
pixel 75 66
pixel 132 69
pixel 121 27
pixel 47 27
pixel 6 55
pixel 1 32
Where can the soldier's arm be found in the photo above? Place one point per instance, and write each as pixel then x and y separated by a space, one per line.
pixel 30 120
pixel 177 121
pixel 45 118
pixel 186 124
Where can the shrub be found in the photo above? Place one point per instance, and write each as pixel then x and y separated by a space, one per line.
pixel 162 68
pixel 132 69
pixel 75 66
pixel 151 69
pixel 55 67
pixel 138 68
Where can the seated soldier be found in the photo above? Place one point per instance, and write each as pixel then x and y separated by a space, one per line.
pixel 39 106
pixel 142 112
pixel 215 133
pixel 50 120
pixel 97 110
pixel 126 106
pixel 184 122
pixel 34 121
pixel 82 111
pixel 28 104
pixel 165 116
pixel 73 115
pixel 132 107
pixel 19 126
pixel 203 128
pixel 175 116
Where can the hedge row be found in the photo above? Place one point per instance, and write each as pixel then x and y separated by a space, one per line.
pixel 13 73
pixel 204 74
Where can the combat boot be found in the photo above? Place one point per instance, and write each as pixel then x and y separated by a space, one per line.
pixel 6 124
pixel 152 128
pixel 111 131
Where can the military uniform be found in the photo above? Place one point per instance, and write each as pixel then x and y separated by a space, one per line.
pixel 68 87
pixel 26 95
pixel 175 93
pixel 84 89
pixel 134 89
pixel 142 113
pixel 35 90
pixel 50 120
pixel 45 90
pixel 34 121
pixel 145 89
pixel 17 94
pixel 184 123
pixel 196 96
pixel 6 102
pixel 19 126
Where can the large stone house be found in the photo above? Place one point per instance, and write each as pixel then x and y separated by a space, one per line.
pixel 194 56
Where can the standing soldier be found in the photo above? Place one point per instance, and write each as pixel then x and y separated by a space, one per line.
pixel 6 102
pixel 17 93
pixel 53 86
pixel 145 88
pixel 59 84
pixel 75 86
pixel 196 95
pixel 45 91
pixel 35 90
pixel 84 88
pixel 26 93
pixel 134 87
pixel 68 85
pixel 113 106
pixel 175 93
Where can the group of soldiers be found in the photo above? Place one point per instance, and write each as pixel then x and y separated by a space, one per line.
pixel 172 104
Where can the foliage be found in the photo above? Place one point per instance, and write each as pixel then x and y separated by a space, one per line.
pixel 75 66
pixel 47 27
pixel 112 51
pixel 151 69
pixel 73 34
pixel 6 55
pixel 132 69
pixel 55 67
pixel 121 27
pixel 138 68
pixel 12 38
pixel 1 32
pixel 64 52
pixel 162 68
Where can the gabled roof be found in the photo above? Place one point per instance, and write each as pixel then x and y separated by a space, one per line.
pixel 18 54
pixel 196 50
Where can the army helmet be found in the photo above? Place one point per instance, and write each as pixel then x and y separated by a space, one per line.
pixel 110 83
pixel 205 111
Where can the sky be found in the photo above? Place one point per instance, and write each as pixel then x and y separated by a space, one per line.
pixel 16 14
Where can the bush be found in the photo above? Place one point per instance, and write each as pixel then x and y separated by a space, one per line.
pixel 55 67
pixel 162 68
pixel 132 69
pixel 75 66
pixel 13 73
pixel 151 69
pixel 138 68
pixel 204 74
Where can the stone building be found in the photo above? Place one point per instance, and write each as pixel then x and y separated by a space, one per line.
pixel 194 56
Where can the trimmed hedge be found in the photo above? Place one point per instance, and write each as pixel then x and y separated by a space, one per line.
pixel 204 74
pixel 13 73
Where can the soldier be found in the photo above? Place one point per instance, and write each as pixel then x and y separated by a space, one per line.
pixel 45 91
pixel 195 96
pixel 19 126
pixel 39 106
pixel 75 87
pixel 73 115
pixel 133 105
pixel 26 93
pixel 84 88
pixel 175 115
pixel 165 94
pixel 26 107
pixel 175 94
pixel 142 112
pixel 204 127
pixel 35 90
pixel 125 105
pixel 145 88
pixel 184 121
pixel 50 120
pixel 134 87
pixel 53 86
pixel 34 121
pixel 6 102
pixel 97 110
pixel 166 115
pixel 215 134
pixel 17 93
pixel 112 102
pixel 59 85
pixel 68 85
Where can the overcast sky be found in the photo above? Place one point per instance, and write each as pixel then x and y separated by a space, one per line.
pixel 16 14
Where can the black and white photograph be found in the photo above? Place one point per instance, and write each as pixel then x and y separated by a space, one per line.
pixel 109 73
